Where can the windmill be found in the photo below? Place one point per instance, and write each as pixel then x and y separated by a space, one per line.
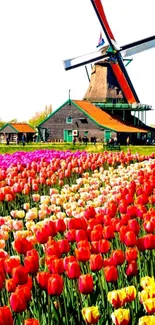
pixel 112 57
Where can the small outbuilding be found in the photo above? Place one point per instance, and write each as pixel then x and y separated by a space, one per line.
pixel 16 132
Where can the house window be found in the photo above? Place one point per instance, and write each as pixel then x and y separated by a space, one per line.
pixel 83 120
pixel 69 120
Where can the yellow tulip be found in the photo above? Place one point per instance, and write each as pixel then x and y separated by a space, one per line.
pixel 130 293
pixel 146 281
pixel 91 314
pixel 149 305
pixel 147 320
pixel 20 214
pixel 121 316
pixel 117 298
pixel 144 295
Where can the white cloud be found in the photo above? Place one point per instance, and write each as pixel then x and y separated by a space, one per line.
pixel 36 35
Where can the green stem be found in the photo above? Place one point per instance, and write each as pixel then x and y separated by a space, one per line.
pixel 50 321
pixel 101 289
pixel 65 307
pixel 77 300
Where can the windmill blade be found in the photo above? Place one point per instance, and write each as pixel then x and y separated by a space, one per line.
pixel 98 7
pixel 139 46
pixel 86 59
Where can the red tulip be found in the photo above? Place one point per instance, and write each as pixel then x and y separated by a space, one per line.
pixel 108 262
pixel 149 226
pixel 2 196
pixel 96 262
pixel 50 227
pixel 64 246
pixel 80 234
pixel 2 278
pixel 134 226
pixel 141 209
pixel 55 285
pixel 96 235
pixel 142 199
pixel 6 316
pixel 19 274
pixel 42 279
pixel 111 274
pixel 10 285
pixel 24 291
pixel 140 244
pixel 83 243
pixel 149 241
pixel 68 259
pixel 71 235
pixel 31 321
pixel 122 232
pixel 132 269
pixel 103 246
pixel 85 283
pixel 53 249
pixel 35 187
pixel 92 223
pixel 130 239
pixel 56 266
pixel 94 247
pixel 60 225
pixel 34 253
pixel 49 259
pixel 132 211
pixel 123 206
pixel 75 223
pixel 22 245
pixel 118 257
pixel 42 235
pixel 10 263
pixel 108 232
pixel 129 198
pixel 73 270
pixel 124 220
pixel 89 213
pixel 131 254
pixel 82 254
pixel 31 264
pixel 17 303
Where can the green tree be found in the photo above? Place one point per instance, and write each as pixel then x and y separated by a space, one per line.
pixel 14 120
pixel 2 123
pixel 40 116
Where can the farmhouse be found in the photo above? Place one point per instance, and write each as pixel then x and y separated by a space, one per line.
pixel 15 131
pixel 82 118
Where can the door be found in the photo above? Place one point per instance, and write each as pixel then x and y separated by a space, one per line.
pixel 107 136
pixel 68 136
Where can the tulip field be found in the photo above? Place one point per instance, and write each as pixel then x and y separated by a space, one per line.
pixel 77 238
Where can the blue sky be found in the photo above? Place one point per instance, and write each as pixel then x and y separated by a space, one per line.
pixel 36 35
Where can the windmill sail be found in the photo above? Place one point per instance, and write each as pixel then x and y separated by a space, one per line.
pixel 86 59
pixel 139 48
